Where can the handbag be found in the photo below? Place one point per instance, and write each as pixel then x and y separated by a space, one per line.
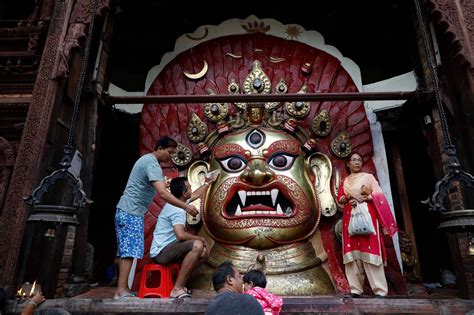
pixel 360 222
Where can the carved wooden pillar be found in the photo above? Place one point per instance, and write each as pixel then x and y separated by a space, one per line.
pixel 87 137
pixel 413 270
pixel 85 133
pixel 68 22
pixel 26 170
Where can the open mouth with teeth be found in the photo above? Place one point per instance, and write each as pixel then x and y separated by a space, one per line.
pixel 258 203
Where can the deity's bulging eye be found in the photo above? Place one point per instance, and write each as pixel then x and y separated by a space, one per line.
pixel 233 164
pixel 281 161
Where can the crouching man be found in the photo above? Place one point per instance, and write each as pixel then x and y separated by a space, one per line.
pixel 172 243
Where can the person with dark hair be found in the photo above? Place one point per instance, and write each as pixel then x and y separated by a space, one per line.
pixel 145 181
pixel 172 243
pixel 255 283
pixel 228 283
pixel 255 278
pixel 363 246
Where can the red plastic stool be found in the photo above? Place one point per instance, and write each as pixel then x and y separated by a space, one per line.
pixel 167 274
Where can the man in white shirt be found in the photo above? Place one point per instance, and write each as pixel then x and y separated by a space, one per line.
pixel 172 243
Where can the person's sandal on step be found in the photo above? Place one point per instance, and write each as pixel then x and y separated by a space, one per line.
pixel 180 294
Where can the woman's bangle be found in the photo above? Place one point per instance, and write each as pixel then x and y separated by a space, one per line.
pixel 34 303
pixel 207 184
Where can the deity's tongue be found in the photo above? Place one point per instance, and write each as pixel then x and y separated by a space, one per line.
pixel 258 207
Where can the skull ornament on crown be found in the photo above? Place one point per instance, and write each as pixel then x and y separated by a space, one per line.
pixel 272 207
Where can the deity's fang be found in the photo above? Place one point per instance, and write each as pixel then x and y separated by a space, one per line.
pixel 274 194
pixel 279 210
pixel 238 211
pixel 243 196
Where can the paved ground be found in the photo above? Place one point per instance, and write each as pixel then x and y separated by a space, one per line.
pixel 292 305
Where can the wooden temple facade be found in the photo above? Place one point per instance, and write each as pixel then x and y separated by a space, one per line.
pixel 56 113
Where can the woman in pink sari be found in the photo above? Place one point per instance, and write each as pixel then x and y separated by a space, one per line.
pixel 365 252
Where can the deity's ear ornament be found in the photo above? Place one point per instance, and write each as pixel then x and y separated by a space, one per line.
pixel 321 167
pixel 196 178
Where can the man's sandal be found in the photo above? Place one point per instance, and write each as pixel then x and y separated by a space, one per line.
pixel 125 296
pixel 182 296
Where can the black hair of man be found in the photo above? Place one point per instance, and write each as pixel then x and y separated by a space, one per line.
pixel 165 142
pixel 257 278
pixel 178 186
pixel 220 274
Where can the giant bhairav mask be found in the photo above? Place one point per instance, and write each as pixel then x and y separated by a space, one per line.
pixel 266 204
pixel 272 207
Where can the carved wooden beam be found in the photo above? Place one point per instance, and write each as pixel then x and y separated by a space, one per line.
pixel 80 18
pixel 456 19
pixel 82 10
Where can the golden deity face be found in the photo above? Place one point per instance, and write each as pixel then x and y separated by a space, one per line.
pixel 264 196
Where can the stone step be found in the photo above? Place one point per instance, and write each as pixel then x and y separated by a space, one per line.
pixel 292 305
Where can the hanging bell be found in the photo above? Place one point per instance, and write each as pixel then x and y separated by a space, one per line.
pixel 457 220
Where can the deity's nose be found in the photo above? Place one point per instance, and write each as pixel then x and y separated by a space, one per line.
pixel 257 172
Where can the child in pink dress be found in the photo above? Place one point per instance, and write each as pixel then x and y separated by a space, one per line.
pixel 254 285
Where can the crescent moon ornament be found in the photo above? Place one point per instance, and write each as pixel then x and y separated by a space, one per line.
pixel 198 75
pixel 206 31
pixel 233 55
